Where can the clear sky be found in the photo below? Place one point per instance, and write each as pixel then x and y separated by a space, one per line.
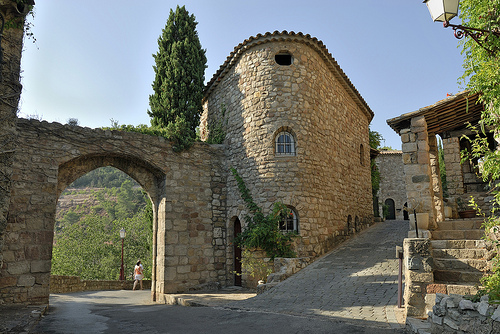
pixel 93 59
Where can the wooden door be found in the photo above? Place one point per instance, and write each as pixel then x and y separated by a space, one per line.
pixel 237 254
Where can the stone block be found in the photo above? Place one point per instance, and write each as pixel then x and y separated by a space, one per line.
pixel 41 266
pixel 18 268
pixel 436 288
pixel 26 280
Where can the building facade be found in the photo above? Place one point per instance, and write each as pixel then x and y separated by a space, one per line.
pixel 297 133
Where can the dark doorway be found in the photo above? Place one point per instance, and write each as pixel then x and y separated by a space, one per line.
pixel 391 210
pixel 237 254
pixel 405 212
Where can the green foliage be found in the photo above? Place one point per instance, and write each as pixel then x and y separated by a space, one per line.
pixel 174 132
pixel 87 241
pixel 216 128
pixel 375 177
pixel 375 139
pixel 104 177
pixel 442 169
pixel 263 231
pixel 482 75
pixel 179 79
pixel 255 267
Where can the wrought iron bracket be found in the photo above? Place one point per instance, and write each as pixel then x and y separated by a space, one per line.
pixel 480 36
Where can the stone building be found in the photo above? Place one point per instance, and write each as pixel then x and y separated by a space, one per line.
pixel 450 257
pixel 297 132
pixel 392 192
pixel 450 119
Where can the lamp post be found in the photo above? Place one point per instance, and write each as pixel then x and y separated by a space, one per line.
pixel 445 10
pixel 122 271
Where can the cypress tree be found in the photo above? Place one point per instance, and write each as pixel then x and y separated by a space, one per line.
pixel 179 78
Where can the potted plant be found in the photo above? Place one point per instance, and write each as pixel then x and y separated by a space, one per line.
pixel 464 210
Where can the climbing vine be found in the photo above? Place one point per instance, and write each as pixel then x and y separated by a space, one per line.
pixel 216 128
pixel 262 231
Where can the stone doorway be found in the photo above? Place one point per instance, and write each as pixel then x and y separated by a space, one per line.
pixel 237 254
pixel 391 210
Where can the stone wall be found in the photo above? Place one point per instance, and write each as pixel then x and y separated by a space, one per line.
pixel 10 92
pixel 328 179
pixel 462 179
pixel 392 180
pixel 454 314
pixel 65 284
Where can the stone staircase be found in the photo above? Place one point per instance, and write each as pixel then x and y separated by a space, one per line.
pixel 460 256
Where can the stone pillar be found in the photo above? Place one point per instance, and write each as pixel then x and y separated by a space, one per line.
pixel 418 275
pixel 417 167
pixel 10 92
pixel 454 176
pixel 437 187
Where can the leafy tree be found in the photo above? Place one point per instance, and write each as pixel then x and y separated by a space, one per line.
pixel 375 139
pixel 91 248
pixel 482 75
pixel 179 80
pixel 87 241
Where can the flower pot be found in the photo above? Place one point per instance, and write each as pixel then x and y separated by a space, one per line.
pixel 467 214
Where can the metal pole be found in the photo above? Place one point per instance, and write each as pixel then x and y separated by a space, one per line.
pixel 122 271
pixel 400 279
pixel 416 226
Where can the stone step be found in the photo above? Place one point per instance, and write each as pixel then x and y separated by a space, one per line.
pixel 457 234
pixel 455 288
pixel 459 253
pixel 460 224
pixel 472 265
pixel 458 276
pixel 458 244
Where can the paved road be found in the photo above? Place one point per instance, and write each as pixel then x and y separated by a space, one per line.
pixel 353 289
pixel 357 281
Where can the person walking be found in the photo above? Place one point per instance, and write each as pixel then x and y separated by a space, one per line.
pixel 138 274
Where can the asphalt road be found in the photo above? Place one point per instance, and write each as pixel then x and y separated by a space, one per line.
pixel 131 312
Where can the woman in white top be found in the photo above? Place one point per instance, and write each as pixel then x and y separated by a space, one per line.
pixel 138 276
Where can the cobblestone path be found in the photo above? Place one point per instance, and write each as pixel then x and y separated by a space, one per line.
pixel 356 282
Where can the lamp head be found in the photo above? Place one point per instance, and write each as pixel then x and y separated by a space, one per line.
pixel 442 10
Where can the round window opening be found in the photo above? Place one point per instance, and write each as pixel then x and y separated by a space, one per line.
pixel 284 59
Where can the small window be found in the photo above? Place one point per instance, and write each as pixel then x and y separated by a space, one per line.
pixel 285 145
pixel 284 59
pixel 361 155
pixel 290 222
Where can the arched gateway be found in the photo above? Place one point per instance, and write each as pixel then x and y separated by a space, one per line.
pixel 185 190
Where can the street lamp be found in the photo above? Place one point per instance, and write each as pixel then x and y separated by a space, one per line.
pixel 122 271
pixel 445 10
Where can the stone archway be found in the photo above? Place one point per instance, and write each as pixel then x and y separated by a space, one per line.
pixel 391 209
pixel 187 190
pixel 150 178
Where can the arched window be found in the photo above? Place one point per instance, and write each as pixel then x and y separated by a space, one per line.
pixel 285 144
pixel 361 155
pixel 290 223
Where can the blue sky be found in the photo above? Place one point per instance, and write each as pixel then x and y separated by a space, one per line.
pixel 93 59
